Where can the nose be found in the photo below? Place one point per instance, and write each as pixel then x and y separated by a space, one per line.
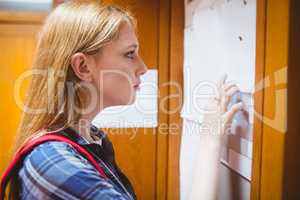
pixel 142 67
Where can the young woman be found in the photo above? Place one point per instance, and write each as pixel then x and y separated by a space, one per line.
pixel 86 60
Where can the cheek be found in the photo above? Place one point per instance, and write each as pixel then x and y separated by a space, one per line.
pixel 117 88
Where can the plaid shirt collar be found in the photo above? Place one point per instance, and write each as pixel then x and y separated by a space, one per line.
pixel 75 136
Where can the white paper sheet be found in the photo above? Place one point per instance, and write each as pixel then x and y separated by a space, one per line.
pixel 219 38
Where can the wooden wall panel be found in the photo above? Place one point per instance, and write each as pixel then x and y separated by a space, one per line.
pixel 22 17
pixel 17 43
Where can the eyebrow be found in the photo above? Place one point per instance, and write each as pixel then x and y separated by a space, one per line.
pixel 133 45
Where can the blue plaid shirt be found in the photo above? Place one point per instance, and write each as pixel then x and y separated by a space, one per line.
pixel 55 170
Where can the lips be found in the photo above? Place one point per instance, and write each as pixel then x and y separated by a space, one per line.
pixel 137 86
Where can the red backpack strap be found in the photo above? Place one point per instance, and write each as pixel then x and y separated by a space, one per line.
pixel 20 155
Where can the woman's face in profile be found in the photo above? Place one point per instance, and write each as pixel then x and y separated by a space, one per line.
pixel 117 69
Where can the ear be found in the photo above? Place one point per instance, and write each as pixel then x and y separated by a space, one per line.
pixel 80 66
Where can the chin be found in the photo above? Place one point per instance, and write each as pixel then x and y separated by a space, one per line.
pixel 124 100
pixel 131 101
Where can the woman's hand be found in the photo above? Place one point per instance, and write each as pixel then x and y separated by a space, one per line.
pixel 217 116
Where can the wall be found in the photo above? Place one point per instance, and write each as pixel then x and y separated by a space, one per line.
pixel 219 37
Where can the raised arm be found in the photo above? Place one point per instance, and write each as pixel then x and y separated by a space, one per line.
pixel 210 133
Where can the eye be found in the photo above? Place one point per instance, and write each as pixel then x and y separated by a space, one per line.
pixel 130 54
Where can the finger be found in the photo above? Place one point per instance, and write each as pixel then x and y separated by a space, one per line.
pixel 220 84
pixel 223 78
pixel 228 96
pixel 232 91
pixel 233 110
pixel 229 85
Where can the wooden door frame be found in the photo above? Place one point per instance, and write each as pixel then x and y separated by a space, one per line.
pixel 258 98
pixel 171 36
pixel 271 55
pixel 176 74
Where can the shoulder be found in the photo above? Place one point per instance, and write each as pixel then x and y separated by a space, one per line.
pixel 57 169
pixel 54 153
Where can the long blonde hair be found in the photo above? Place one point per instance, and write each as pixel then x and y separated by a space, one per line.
pixel 75 26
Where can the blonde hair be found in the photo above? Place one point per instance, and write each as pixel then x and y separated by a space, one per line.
pixel 74 26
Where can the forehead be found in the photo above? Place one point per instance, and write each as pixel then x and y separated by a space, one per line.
pixel 126 35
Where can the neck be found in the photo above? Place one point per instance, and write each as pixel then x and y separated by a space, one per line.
pixel 84 124
pixel 83 130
